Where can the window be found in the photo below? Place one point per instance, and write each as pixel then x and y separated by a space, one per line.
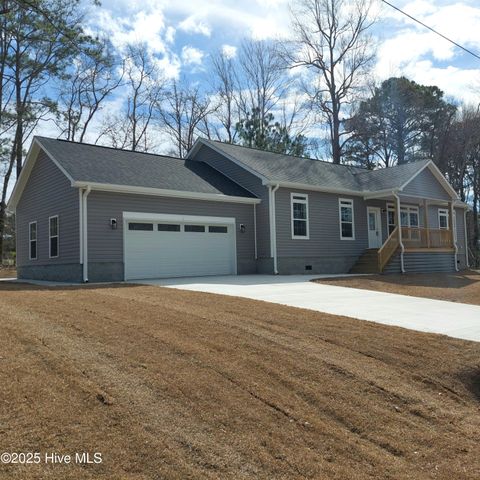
pixel 215 229
pixel 347 229
pixel 392 223
pixel 148 227
pixel 32 229
pixel 443 218
pixel 194 228
pixel 168 227
pixel 299 211
pixel 53 236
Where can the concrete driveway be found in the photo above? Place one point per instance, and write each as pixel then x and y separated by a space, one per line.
pixel 454 319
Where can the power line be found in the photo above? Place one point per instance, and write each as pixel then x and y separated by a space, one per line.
pixel 432 30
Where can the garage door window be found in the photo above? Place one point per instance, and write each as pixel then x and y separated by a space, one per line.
pixel 215 229
pixel 148 227
pixel 194 228
pixel 168 227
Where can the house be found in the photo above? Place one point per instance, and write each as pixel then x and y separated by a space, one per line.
pixel 92 213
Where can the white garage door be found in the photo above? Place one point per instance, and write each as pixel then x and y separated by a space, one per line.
pixel 173 246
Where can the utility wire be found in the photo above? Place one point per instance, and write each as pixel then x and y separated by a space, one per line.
pixel 432 30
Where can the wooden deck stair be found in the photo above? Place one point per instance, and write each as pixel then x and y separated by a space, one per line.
pixel 367 262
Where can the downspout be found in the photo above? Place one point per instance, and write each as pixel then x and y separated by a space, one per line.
pixel 466 239
pixel 399 223
pixel 85 234
pixel 255 229
pixel 453 216
pixel 273 227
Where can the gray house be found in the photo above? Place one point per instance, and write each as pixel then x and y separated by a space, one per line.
pixel 91 213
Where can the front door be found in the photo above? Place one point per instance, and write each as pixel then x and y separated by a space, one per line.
pixel 374 227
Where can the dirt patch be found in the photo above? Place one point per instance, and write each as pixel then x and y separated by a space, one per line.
pixel 173 384
pixel 7 272
pixel 463 287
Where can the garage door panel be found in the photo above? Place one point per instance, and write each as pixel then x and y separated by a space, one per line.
pixel 151 254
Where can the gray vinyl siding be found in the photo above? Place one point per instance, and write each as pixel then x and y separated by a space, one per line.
pixel 324 226
pixel 106 245
pixel 425 185
pixel 47 193
pixel 248 181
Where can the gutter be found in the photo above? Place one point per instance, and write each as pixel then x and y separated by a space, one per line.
pixel 84 233
pixel 399 221
pixel 273 226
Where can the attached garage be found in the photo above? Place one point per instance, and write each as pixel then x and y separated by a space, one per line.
pixel 165 245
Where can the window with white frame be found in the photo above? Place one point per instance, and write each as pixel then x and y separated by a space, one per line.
pixel 443 218
pixel 53 236
pixel 32 236
pixel 347 227
pixel 391 218
pixel 409 216
pixel 299 206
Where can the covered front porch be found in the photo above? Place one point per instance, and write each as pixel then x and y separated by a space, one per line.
pixel 414 225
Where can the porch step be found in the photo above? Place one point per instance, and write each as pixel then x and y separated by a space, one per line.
pixel 367 262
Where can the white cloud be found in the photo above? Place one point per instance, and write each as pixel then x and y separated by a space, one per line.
pixel 194 24
pixel 192 55
pixel 229 51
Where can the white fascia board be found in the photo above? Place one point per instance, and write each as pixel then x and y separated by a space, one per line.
pixel 315 188
pixel 438 175
pixel 214 197
pixel 167 217
pixel 30 160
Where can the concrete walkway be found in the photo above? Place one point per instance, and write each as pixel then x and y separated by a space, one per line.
pixel 454 319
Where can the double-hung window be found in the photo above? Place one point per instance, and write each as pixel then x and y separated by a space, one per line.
pixel 347 222
pixel 443 218
pixel 32 236
pixel 299 206
pixel 53 236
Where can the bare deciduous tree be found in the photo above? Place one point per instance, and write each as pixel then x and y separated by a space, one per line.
pixel 90 81
pixel 331 41
pixel 145 87
pixel 183 113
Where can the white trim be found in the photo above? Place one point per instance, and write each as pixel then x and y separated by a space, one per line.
pixel 348 201
pixel 443 212
pixel 273 226
pixel 80 226
pixel 85 235
pixel 399 221
pixel 215 197
pixel 30 160
pixel 379 211
pixel 57 236
pixel 30 241
pixel 303 201
pixel 167 217
pixel 466 239
pixel 454 231
pixel 438 175
pixel 315 188
pixel 255 230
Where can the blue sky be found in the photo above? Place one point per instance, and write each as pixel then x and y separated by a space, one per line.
pixel 183 33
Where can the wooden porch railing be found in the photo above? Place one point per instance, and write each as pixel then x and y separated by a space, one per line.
pixel 416 237
pixel 388 249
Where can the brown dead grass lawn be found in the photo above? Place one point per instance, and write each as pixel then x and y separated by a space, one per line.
pixel 170 384
pixel 463 287
pixel 6 272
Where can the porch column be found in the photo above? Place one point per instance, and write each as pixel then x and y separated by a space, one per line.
pixel 425 221
pixel 399 226
pixel 453 227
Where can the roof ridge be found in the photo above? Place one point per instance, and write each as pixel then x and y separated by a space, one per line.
pixel 285 154
pixel 110 148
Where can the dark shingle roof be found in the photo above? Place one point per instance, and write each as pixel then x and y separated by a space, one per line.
pixel 286 168
pixel 96 164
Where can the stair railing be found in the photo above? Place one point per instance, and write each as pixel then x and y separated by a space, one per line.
pixel 388 249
